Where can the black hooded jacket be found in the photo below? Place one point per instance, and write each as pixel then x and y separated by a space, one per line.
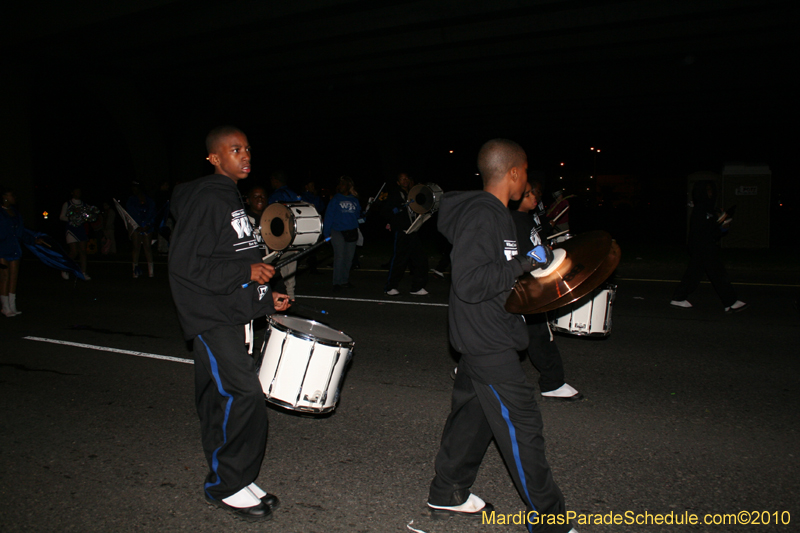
pixel 484 240
pixel 704 230
pixel 210 254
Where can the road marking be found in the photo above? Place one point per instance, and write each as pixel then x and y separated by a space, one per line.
pixel 114 350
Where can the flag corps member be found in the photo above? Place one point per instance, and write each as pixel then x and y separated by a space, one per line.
pixel 213 259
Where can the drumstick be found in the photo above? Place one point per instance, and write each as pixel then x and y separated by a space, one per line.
pixel 559 215
pixel 559 234
pixel 293 258
pixel 300 255
pixel 374 198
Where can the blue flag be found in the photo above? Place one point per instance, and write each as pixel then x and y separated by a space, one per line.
pixel 51 254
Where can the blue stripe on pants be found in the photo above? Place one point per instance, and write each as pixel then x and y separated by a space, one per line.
pixel 215 372
pixel 515 448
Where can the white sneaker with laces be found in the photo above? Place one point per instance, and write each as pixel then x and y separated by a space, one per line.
pixel 421 292
pixel 393 292
pixel 681 303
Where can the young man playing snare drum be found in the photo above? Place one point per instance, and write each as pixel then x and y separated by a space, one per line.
pixel 213 259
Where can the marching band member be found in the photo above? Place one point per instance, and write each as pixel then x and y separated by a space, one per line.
pixel 213 258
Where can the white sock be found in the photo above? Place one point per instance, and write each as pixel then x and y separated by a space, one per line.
pixel 242 499
pixel 150 269
pixel 256 490
pixel 6 307
pixel 12 302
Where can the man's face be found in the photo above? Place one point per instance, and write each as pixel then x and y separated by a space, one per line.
pixel 257 200
pixel 537 191
pixel 231 156
pixel 529 200
pixel 404 181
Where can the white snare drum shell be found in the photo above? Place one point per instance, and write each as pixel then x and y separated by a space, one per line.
pixel 303 364
pixel 588 316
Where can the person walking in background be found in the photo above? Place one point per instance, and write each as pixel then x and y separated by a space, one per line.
pixel 408 250
pixel 142 209
pixel 109 237
pixel 341 225
pixel 542 348
pixel 73 213
pixel 12 232
pixel 706 227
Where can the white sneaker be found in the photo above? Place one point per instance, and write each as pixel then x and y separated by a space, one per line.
pixel 393 292
pixel 86 277
pixel 681 303
pixel 564 392
pixel 64 275
pixel 421 292
pixel 436 272
pixel 738 305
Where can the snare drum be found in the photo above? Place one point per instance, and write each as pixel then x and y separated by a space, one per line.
pixel 425 198
pixel 294 225
pixel 303 364
pixel 590 315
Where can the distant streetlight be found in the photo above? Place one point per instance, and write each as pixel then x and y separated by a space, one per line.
pixel 595 151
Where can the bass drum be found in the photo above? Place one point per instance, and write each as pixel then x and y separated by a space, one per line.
pixel 588 316
pixel 425 198
pixel 290 226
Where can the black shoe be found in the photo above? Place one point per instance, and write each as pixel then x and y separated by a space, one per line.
pixel 337 288
pixel 349 285
pixel 259 512
pixel 272 501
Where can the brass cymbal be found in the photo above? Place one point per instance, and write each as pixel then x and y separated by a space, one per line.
pixel 590 258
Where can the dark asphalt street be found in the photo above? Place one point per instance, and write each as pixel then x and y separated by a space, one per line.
pixel 686 411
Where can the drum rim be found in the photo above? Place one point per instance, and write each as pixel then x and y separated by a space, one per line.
pixel 435 191
pixel 307 336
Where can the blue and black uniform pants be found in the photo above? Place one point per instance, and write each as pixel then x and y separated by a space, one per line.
pixel 508 413
pixel 232 410
pixel 544 353
pixel 408 252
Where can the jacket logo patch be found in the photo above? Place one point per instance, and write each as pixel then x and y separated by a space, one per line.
pixel 510 249
pixel 241 224
pixel 262 291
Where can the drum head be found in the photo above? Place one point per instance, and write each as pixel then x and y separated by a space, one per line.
pixel 277 226
pixel 312 330
pixel 423 198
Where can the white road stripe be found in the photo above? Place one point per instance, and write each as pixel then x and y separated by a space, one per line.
pixel 114 350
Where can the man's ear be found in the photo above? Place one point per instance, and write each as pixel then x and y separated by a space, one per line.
pixel 213 159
